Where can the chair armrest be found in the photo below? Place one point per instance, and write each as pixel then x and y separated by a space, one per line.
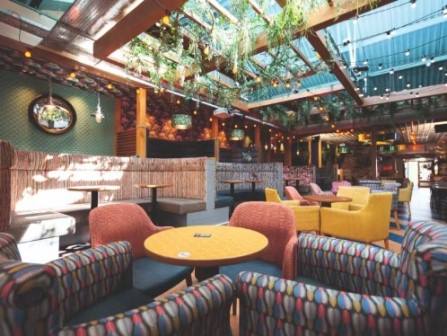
pixel 290 202
pixel 289 259
pixel 275 306
pixel 202 310
pixel 24 286
pixel 86 276
pixel 8 246
pixel 346 264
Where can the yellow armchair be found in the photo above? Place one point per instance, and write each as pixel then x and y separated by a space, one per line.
pixel 359 195
pixel 369 224
pixel 307 217
pixel 271 195
pixel 405 195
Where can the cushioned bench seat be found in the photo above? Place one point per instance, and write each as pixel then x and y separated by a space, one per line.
pixel 223 201
pixel 180 206
pixel 28 227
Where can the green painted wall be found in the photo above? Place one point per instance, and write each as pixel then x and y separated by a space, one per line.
pixel 86 137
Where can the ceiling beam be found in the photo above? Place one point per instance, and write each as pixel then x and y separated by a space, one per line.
pixel 320 18
pixel 316 39
pixel 222 10
pixel 296 96
pixel 428 91
pixel 141 18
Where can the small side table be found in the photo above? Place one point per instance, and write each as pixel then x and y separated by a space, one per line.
pixel 326 200
pixel 94 190
pixel 253 183
pixel 154 188
pixel 232 183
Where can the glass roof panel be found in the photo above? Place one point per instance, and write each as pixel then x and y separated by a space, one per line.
pixel 51 8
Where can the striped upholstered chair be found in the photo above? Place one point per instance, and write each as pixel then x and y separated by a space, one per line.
pixel 349 288
pixel 89 293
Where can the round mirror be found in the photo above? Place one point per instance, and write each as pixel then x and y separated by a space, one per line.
pixel 52 115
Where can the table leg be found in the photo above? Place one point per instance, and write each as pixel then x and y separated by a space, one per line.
pixel 297 184
pixel 203 273
pixel 326 204
pixel 253 187
pixel 232 189
pixel 154 196
pixel 286 182
pixel 94 199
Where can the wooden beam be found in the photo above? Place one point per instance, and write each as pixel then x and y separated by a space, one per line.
pixel 316 39
pixel 222 10
pixel 259 10
pixel 320 18
pixel 303 57
pixel 295 96
pixel 428 91
pixel 141 134
pixel 141 18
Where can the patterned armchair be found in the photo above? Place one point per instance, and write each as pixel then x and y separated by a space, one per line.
pixel 348 288
pixel 53 298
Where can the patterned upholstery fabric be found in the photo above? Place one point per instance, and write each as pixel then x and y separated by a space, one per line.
pixel 277 223
pixel 39 299
pixel 370 291
pixel 304 173
pixel 271 174
pixel 200 310
pixel 86 276
pixel 8 247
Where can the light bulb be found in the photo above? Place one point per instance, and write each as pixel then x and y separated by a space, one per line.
pixel 407 53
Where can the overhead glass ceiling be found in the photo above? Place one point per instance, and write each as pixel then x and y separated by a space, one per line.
pixel 51 8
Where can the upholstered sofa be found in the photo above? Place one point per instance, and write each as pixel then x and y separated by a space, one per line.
pixel 89 293
pixel 348 288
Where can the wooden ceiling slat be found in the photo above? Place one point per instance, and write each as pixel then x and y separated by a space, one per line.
pixel 222 10
pixel 316 39
pixel 141 18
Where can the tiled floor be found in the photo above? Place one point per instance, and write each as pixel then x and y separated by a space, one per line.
pixel 420 210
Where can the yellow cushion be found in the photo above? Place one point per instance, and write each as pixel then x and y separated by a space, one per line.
pixel 307 218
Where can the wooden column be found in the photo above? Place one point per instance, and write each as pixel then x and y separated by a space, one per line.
pixel 320 154
pixel 215 135
pixel 141 132
pixel 309 149
pixel 373 155
pixel 258 143
pixel 288 152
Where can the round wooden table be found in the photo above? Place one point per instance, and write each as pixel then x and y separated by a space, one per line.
pixel 326 200
pixel 232 183
pixel 205 247
pixel 153 188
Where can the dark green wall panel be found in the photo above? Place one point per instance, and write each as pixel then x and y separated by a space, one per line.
pixel 87 137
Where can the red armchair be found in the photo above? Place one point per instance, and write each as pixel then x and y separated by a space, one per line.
pixel 277 223
pixel 129 222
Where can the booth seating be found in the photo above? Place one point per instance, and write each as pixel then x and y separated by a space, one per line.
pixel 269 174
pixel 36 205
pixel 359 195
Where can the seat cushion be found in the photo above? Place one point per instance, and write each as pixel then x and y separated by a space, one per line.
pixel 223 201
pixel 257 266
pixel 111 305
pixel 180 206
pixel 154 277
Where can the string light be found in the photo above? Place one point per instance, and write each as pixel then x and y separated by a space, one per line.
pixel 424 59
pixel 28 54
pixel 391 72
pixel 413 3
pixel 389 34
pixel 407 52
